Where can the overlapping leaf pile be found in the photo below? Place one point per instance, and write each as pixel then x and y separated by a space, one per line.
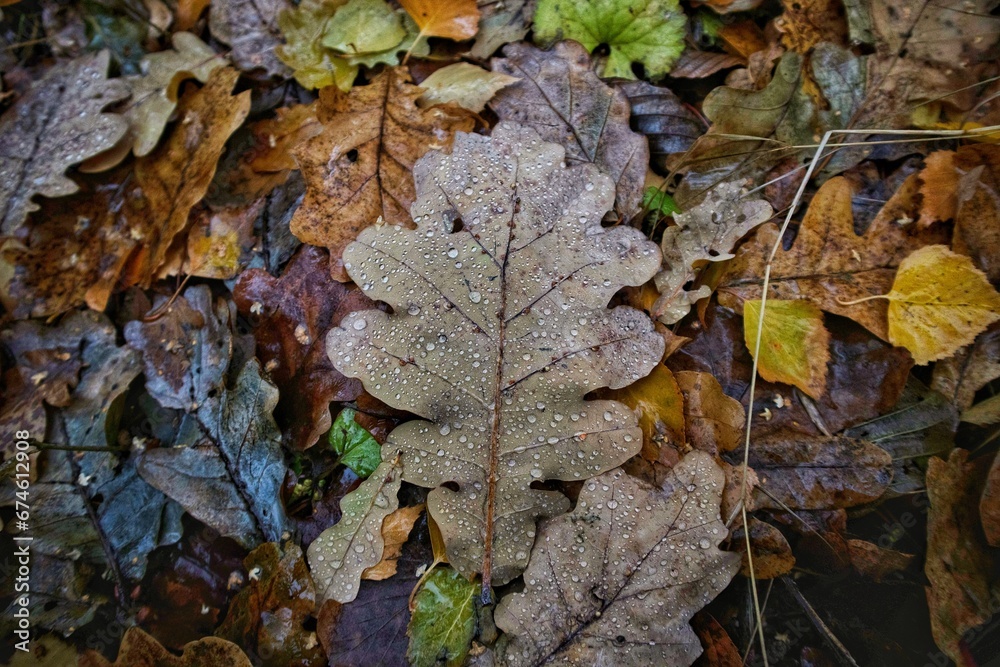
pixel 355 332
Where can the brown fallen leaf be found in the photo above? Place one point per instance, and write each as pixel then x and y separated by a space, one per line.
pixel 250 28
pixel 219 243
pixel 358 169
pixel 962 591
pixel 803 472
pixel 828 263
pixel 806 23
pixel 59 122
pixel 395 532
pixel 451 19
pixel 713 421
pixel 501 23
pixel 139 649
pixel 561 98
pixel 961 376
pixel 989 504
pixel 659 403
pixel 695 64
pixel 656 112
pixel 772 556
pixel 720 651
pixel 277 137
pixel 875 562
pixel 291 316
pixel 977 216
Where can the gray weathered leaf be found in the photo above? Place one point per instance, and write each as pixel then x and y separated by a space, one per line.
pixel 57 123
pixel 500 23
pixel 660 116
pixel 618 579
pixel 250 27
pixel 706 233
pixel 565 102
pixel 341 553
pixel 499 330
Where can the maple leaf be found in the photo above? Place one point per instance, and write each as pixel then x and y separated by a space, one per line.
pixel 358 169
pixel 939 302
pixel 498 331
pixel 794 343
pixel 452 19
pixel 601 577
pixel 647 32
pixel 829 263
pixel 57 123
pixel 250 28
pixel 561 98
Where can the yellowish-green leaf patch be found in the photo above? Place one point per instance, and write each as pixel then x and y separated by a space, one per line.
pixel 794 345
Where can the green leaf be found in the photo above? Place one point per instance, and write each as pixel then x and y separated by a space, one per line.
pixel 650 32
pixel 314 65
pixel 363 27
pixel 354 446
pixel 654 199
pixel 443 621
pixel 794 346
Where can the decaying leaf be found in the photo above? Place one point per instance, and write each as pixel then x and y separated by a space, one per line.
pixel 395 531
pixel 498 331
pixel 250 28
pixel 713 421
pixel 291 317
pixel 139 649
pixel 645 32
pixel 810 473
pixel 772 556
pixel 566 103
pixel 443 620
pixel 829 263
pixel 660 115
pixel 358 169
pixel 501 23
pixel 794 345
pixel 959 377
pixel 989 504
pixel 453 19
pixel 602 579
pixel 939 302
pixel 958 565
pixel 658 402
pixel 58 123
pixel 464 84
pixel 705 233
pixel 339 556
pixel 313 65
pixel 266 617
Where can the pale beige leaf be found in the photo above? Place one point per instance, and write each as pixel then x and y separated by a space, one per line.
pixel 498 331
pixel 464 84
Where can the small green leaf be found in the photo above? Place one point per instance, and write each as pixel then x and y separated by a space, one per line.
pixel 654 199
pixel 443 621
pixel 364 26
pixel 354 446
pixel 650 32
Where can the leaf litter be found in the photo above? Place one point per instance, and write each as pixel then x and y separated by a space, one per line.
pixel 317 377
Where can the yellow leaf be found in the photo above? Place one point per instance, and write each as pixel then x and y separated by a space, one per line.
pixel 794 346
pixel 939 302
pixel 984 413
pixel 452 19
pixel 658 401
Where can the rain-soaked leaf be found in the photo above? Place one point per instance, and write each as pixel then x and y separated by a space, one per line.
pixel 250 28
pixel 566 103
pixel 464 84
pixel 939 302
pixel 499 329
pixel 637 32
pixel 601 578
pixel 451 19
pixel 234 483
pixel 794 345
pixel 139 649
pixel 266 617
pixel 339 556
pixel 658 114
pixel 658 402
pixel 353 446
pixel 829 263
pixel 705 233
pixel 443 620
pixel 59 122
pixel 291 316
pixel 813 473
pixel 358 169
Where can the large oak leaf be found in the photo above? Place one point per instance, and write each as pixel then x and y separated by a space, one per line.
pixel 499 329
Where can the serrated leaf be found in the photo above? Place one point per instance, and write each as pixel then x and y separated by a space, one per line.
pixel 499 329
pixel 59 122
pixel 464 84
pixel 354 446
pixel 939 302
pixel 561 98
pixel 646 32
pixel 602 579
pixel 339 556
pixel 705 233
pixel 443 620
pixel 794 345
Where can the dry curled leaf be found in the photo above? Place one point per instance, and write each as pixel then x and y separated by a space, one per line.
pixel 565 102
pixel 602 579
pixel 57 123
pixel 358 169
pixel 705 233
pixel 499 329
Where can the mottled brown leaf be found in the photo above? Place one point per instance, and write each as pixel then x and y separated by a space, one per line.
pixel 499 329
pixel 602 578
pixel 772 556
pixel 139 649
pixel 250 28
pixel 565 102
pixel 358 169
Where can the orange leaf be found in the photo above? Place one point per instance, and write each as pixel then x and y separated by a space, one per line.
pixel 453 19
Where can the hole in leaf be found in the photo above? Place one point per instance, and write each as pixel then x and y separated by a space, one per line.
pixel 352 155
